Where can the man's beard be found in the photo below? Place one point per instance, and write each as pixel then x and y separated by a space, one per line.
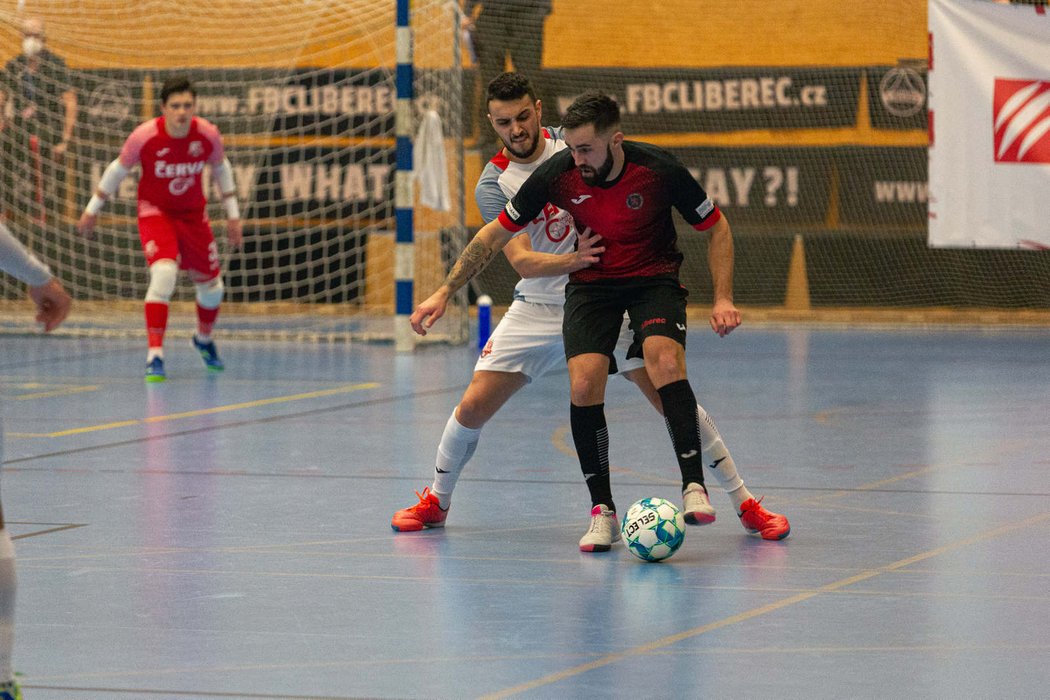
pixel 531 147
pixel 601 173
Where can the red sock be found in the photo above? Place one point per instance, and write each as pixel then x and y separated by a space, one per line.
pixel 156 323
pixel 206 320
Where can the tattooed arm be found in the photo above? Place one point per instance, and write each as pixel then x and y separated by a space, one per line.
pixel 485 245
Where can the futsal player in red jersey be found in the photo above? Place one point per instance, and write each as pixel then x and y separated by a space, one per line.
pixel 173 150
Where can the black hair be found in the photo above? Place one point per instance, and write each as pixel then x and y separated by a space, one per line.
pixel 592 108
pixel 175 85
pixel 507 87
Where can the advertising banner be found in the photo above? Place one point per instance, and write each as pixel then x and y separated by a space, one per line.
pixel 990 125
pixel 718 99
pixel 884 186
pixel 763 185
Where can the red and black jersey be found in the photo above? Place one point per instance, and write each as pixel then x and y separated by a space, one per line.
pixel 631 213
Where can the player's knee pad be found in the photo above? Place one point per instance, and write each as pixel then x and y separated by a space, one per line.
pixel 162 277
pixel 209 294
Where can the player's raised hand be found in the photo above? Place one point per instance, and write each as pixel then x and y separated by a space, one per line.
pixel 234 233
pixel 429 311
pixel 52 303
pixel 588 248
pixel 724 317
pixel 86 225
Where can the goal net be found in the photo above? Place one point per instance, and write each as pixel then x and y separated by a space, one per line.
pixel 806 122
pixel 304 94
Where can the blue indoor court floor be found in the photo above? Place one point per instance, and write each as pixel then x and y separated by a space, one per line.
pixel 229 536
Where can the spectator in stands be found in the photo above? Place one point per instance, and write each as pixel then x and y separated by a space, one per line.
pixel 39 112
pixel 505 29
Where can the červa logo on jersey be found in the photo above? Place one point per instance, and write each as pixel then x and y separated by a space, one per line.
pixel 1021 121
pixel 164 169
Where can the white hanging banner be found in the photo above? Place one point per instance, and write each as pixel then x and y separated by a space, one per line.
pixel 989 110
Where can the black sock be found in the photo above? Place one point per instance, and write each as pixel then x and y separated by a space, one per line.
pixel 682 423
pixel 591 436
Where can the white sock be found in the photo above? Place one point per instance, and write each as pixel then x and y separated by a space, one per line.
pixel 7 604
pixel 454 451
pixel 154 352
pixel 718 460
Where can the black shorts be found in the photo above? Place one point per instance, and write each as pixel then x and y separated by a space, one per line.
pixel 594 314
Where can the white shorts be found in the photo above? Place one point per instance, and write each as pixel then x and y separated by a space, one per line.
pixel 528 340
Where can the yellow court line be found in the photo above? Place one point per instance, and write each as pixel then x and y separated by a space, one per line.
pixel 871 486
pixel 54 392
pixel 207 411
pixel 772 607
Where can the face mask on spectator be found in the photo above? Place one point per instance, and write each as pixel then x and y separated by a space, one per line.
pixel 32 45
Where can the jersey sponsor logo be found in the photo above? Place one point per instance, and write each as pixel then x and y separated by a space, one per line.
pixel 163 152
pixel 635 200
pixel 557 225
pixel 165 170
pixel 651 321
pixel 581 199
pixel 557 230
pixel 488 349
pixel 705 208
pixel 180 185
pixel 196 148
pixel 1021 121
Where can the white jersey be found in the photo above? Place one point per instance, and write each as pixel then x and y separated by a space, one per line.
pixel 551 232
pixel 17 261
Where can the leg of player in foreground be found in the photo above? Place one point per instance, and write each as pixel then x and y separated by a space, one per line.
pixel 52 304
pixel 696 506
pixel 593 320
pixel 525 344
pixel 490 389
pixel 487 393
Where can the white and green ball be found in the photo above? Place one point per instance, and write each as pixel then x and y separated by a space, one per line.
pixel 653 529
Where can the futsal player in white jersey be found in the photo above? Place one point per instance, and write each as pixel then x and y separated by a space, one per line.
pixel 52 303
pixel 527 343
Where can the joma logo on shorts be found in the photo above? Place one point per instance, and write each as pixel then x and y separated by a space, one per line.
pixel 651 321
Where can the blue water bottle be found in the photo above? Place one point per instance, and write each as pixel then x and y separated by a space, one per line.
pixel 484 320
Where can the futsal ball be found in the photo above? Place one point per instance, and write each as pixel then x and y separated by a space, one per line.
pixel 653 529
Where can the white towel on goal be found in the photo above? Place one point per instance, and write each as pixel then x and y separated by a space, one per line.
pixel 430 170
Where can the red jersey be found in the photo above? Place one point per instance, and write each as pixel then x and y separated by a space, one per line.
pixel 172 167
pixel 632 213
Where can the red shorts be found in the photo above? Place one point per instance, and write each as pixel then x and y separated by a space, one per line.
pixel 184 237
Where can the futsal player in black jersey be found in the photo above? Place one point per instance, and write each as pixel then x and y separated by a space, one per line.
pixel 624 191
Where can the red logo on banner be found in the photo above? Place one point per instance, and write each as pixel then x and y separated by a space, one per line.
pixel 1021 121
